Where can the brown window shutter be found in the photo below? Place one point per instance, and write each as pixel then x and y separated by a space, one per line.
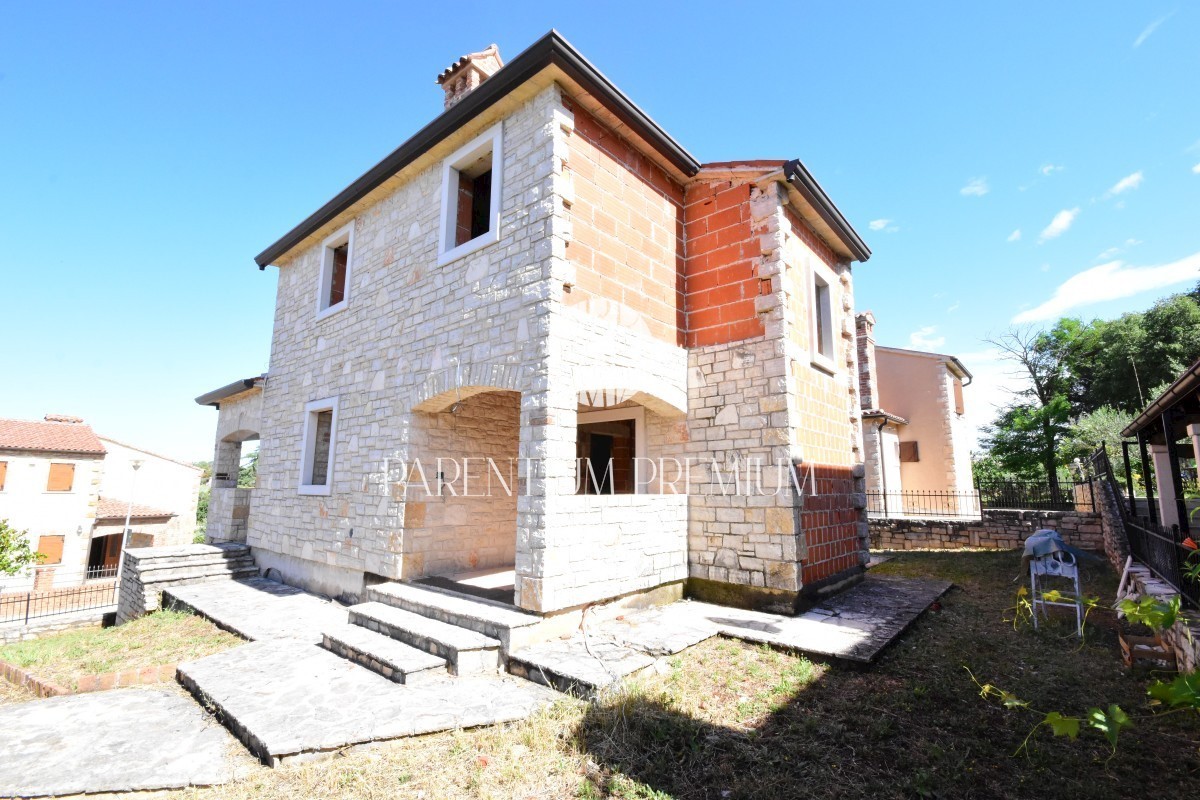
pixel 958 398
pixel 51 547
pixel 3 473
pixel 62 478
pixel 909 452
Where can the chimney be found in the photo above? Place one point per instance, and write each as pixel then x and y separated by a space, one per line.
pixel 464 75
pixel 864 329
pixel 63 418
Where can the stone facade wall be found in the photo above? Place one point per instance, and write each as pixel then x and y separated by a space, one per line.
pixel 413 334
pixel 996 530
pixel 228 514
pixel 605 546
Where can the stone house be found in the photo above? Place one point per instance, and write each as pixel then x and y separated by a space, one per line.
pixel 70 489
pixel 915 436
pixel 541 350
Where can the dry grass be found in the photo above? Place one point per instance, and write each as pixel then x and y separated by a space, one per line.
pixel 735 720
pixel 11 693
pixel 164 637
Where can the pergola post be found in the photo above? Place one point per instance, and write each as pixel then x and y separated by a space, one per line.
pixel 1151 508
pixel 1176 481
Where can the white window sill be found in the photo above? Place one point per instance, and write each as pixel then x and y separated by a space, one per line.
pixel 823 363
pixel 320 491
pixel 466 248
pixel 331 310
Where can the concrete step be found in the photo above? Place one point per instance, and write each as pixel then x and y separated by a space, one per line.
pixel 390 657
pixel 511 627
pixel 466 652
pixel 185 573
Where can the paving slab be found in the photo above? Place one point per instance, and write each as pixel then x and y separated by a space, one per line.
pixel 286 698
pixel 116 741
pixel 855 625
pixel 260 609
pixel 661 631
pixel 577 665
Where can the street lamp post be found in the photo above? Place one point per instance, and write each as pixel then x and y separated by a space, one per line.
pixel 136 464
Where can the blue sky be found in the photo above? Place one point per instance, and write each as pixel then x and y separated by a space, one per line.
pixel 149 151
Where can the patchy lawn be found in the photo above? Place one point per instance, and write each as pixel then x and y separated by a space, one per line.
pixel 735 720
pixel 164 637
pixel 11 693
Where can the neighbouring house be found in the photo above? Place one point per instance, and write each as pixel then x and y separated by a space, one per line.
pixel 542 349
pixel 71 489
pixel 916 441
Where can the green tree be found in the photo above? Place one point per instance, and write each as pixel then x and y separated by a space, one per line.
pixel 248 472
pixel 1089 431
pixel 15 552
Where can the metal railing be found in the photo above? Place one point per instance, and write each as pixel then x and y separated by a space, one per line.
pixel 1009 495
pixel 91 590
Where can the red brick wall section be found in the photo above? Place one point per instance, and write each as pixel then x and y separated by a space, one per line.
pixel 720 274
pixel 828 522
pixel 627 231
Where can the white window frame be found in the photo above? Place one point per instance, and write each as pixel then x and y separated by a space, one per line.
pixel 820 272
pixel 638 415
pixel 309 446
pixel 490 140
pixel 344 235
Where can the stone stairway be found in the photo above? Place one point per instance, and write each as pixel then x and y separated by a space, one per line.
pixel 407 632
pixel 150 570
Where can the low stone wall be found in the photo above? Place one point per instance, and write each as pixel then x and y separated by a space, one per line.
pixel 997 529
pixel 1184 635
pixel 41 626
pixel 147 571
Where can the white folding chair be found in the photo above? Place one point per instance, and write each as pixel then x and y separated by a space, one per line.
pixel 1060 564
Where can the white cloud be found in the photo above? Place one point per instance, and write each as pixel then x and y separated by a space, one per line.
pixel 1111 281
pixel 1059 225
pixel 1050 169
pixel 1015 236
pixel 1151 28
pixel 954 307
pixel 1109 253
pixel 1125 184
pixel 976 187
pixel 1196 169
pixel 924 339
pixel 878 224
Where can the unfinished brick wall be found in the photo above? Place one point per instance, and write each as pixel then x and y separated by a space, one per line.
pixel 721 278
pixel 626 241
pixel 832 533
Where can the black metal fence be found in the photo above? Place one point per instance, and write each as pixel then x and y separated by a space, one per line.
pixel 31 604
pixel 1012 495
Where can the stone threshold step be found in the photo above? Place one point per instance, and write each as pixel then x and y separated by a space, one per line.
pixel 578 668
pixel 511 627
pixel 390 657
pixel 466 652
pixel 207 561
pixel 234 573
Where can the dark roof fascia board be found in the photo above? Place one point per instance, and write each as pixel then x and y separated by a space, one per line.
pixel 551 50
pixel 1187 383
pixel 803 182
pixel 215 397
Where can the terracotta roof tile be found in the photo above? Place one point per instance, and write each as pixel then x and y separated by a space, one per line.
pixel 51 437
pixel 110 508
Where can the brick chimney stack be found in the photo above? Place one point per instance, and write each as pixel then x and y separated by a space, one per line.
pixel 464 75
pixel 63 418
pixel 864 329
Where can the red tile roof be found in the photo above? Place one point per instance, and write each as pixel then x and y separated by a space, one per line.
pixel 50 437
pixel 116 509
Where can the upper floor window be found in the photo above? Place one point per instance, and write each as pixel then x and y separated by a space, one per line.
pixel 61 478
pixel 336 252
pixel 471 196
pixel 822 320
pixel 320 442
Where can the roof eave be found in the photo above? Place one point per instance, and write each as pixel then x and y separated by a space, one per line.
pixel 215 397
pixel 1187 383
pixel 551 50
pixel 798 176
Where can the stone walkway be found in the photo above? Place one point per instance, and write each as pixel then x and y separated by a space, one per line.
pixel 853 626
pixel 260 609
pixel 285 698
pixel 116 741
